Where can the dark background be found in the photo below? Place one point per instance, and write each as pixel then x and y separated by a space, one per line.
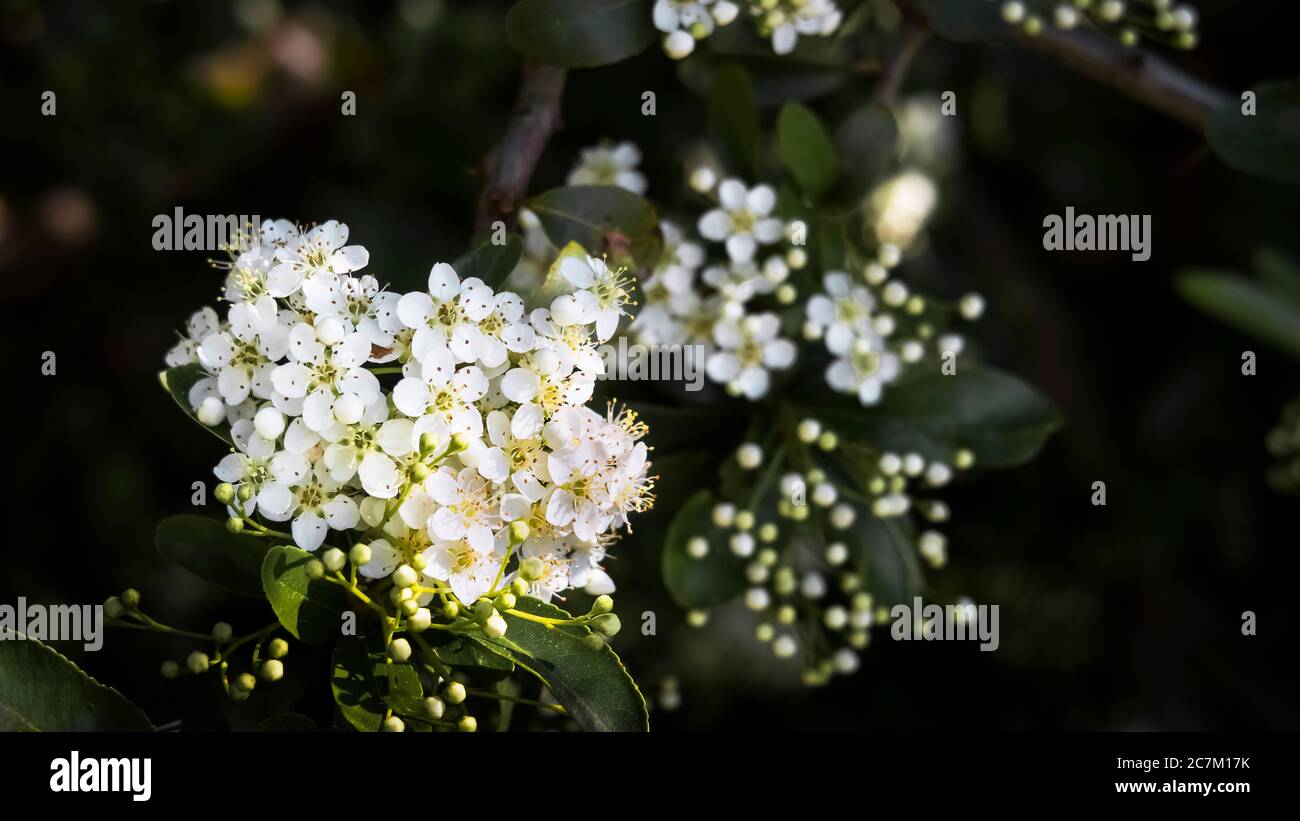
pixel 1122 617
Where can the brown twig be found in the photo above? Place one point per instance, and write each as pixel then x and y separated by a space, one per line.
pixel 896 71
pixel 1143 76
pixel 508 167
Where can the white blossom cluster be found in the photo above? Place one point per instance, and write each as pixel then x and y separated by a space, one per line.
pixel 484 423
pixel 683 22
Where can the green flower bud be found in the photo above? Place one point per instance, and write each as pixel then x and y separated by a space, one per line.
pixel 419 472
pixel 483 610
pixel 602 604
pixel 593 642
pixel 277 648
pixel 405 576
pixel 271 670
pixel 393 724
pixel 235 524
pixel 428 444
pixel 451 609
pixel 244 493
pixel 224 493
pixel 334 559
pixel 409 607
pixel 237 694
pixel 198 662
pixel 468 724
pixel 506 601
pixel 459 442
pixel 113 607
pixel 518 532
pixel 399 650
pixel 245 682
pixel 531 569
pixel 420 620
pixel 455 693
pixel 222 632
pixel 520 587
pixel 419 563
pixel 359 554
pixel 435 707
pixel 607 624
pixel 495 626
pixel 170 669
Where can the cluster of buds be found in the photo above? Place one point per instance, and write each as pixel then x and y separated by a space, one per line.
pixel 1128 21
pixel 683 22
pixel 804 537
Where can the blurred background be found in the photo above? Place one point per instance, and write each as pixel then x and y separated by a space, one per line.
pixel 1119 617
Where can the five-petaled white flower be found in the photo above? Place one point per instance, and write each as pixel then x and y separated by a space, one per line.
pixel 743 219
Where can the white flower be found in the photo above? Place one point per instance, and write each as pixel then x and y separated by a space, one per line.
pixel 369 449
pixel 330 379
pixel 747 349
pixel 514 452
pixel 443 397
pixel 468 567
pixel 244 354
pixel 362 304
pixel 841 314
pixel 447 312
pixel 601 297
pixel 556 565
pixel 321 251
pixel 809 17
pixel 466 510
pixel 743 220
pixel 316 504
pixel 864 369
pixel 202 324
pixel 610 165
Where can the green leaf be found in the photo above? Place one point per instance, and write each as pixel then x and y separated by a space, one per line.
pixel 203 546
pixel 887 557
pixel 580 33
pixel 42 691
pixel 1266 143
pixel 308 608
pixel 806 150
pixel 1279 273
pixel 491 263
pixel 706 582
pixel 592 685
pixel 473 657
pixel 1246 306
pixel 965 20
pixel 1004 421
pixel 178 381
pixel 733 117
pixel 592 215
pixel 287 723
pixel 366 685
pixel 866 143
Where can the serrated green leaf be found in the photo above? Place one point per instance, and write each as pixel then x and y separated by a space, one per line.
pixel 491 263
pixel 43 691
pixel 580 33
pixel 707 582
pixel 806 150
pixel 1003 420
pixel 592 685
pixel 178 381
pixel 308 608
pixel 472 656
pixel 1245 306
pixel 203 546
pixel 591 215
pixel 1266 143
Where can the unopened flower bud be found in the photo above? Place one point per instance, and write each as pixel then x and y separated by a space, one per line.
pixel 399 650
pixel 113 607
pixel 420 620
pixel 409 607
pixel 277 648
pixel 222 632
pixel 602 604
pixel 419 472
pixel 393 724
pixel 244 493
pixel 359 554
pixel 334 559
pixel 315 569
pixel 405 576
pixel 506 601
pixel 271 670
pixel 532 569
pixel 593 642
pixel 224 492
pixel 245 682
pixel 170 669
pixel 467 724
pixel 428 444
pixel 434 707
pixel 495 627
pixel 235 524
pixel 455 693
pixel 518 532
pixel 198 662
pixel 607 624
